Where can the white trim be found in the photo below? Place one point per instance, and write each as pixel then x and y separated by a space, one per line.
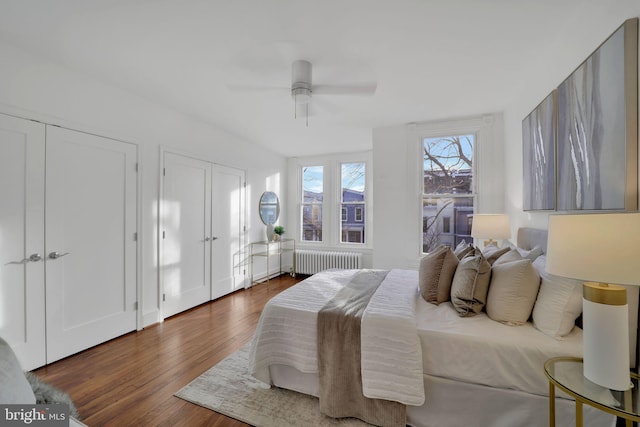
pixel 332 200
pixel 485 147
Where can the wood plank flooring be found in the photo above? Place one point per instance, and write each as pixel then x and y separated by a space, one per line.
pixel 130 381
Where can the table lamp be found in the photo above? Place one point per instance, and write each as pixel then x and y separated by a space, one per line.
pixel 490 226
pixel 602 250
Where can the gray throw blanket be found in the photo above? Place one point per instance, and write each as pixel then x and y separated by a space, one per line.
pixel 340 388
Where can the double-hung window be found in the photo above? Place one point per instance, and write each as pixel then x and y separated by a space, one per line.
pixel 333 193
pixel 353 181
pixel 448 190
pixel 312 203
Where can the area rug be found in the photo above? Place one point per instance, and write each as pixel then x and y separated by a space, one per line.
pixel 228 388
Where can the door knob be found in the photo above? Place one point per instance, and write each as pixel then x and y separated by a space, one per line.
pixel 32 258
pixel 56 255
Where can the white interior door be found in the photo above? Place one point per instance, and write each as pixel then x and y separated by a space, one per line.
pixel 186 228
pixel 228 227
pixel 22 317
pixel 90 244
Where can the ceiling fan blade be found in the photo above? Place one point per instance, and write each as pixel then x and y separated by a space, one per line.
pixel 364 89
pixel 257 88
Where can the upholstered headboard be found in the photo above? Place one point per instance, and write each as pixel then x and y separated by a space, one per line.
pixel 528 238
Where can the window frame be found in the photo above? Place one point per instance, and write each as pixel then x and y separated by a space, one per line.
pixel 312 205
pixel 332 200
pixel 488 182
pixel 436 196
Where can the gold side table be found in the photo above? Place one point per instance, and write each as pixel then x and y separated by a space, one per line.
pixel 267 249
pixel 566 373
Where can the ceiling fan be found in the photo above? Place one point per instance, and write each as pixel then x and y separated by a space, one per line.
pixel 302 87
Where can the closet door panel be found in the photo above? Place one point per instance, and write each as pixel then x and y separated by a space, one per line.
pixel 22 239
pixel 228 267
pixel 186 228
pixel 90 246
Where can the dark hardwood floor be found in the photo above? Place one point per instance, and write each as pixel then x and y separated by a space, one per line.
pixel 130 381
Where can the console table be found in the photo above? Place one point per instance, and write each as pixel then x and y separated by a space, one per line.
pixel 269 248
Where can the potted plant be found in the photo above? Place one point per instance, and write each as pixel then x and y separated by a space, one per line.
pixel 279 231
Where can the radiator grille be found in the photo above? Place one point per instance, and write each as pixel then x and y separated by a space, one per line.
pixel 311 262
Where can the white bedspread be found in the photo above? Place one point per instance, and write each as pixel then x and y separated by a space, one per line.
pixel 286 334
pixel 482 351
pixel 391 353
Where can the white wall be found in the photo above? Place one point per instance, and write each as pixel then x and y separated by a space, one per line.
pixel 591 26
pixel 397 182
pixel 39 89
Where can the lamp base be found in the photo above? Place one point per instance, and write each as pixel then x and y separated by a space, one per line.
pixel 606 335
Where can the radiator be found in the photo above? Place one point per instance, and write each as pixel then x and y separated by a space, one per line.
pixel 311 262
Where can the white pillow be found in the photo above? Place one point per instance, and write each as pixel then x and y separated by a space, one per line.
pixel 559 302
pixel 530 254
pixel 512 292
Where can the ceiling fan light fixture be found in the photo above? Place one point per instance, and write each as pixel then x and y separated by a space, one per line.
pixel 301 95
pixel 301 87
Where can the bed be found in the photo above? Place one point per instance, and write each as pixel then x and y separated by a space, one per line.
pixel 471 371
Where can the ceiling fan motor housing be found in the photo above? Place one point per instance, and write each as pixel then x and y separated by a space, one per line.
pixel 301 81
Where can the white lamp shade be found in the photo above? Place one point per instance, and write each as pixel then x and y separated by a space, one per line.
pixel 595 247
pixel 490 226
pixel 599 248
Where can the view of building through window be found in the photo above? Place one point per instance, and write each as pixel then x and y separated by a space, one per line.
pixel 312 198
pixel 448 195
pixel 353 203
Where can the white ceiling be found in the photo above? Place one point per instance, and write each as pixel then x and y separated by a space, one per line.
pixel 431 59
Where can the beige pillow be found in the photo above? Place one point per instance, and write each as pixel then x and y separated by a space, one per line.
pixel 512 291
pixel 510 256
pixel 470 285
pixel 492 253
pixel 463 249
pixel 559 302
pixel 436 273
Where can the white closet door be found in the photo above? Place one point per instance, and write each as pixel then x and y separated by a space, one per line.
pixel 228 227
pixel 186 227
pixel 21 236
pixel 90 246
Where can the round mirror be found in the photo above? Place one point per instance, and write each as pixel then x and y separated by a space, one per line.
pixel 269 207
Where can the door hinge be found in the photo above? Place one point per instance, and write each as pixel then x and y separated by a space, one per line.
pixel 135 237
pixel 244 272
pixel 136 167
pixel 244 228
pixel 164 171
pixel 164 236
pixel 164 297
pixel 135 305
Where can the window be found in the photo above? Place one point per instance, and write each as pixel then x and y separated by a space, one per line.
pixel 447 183
pixel 358 214
pixel 446 224
pixel 331 198
pixel 312 203
pixel 353 178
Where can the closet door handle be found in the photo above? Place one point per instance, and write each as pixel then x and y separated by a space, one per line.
pixel 56 255
pixel 32 258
